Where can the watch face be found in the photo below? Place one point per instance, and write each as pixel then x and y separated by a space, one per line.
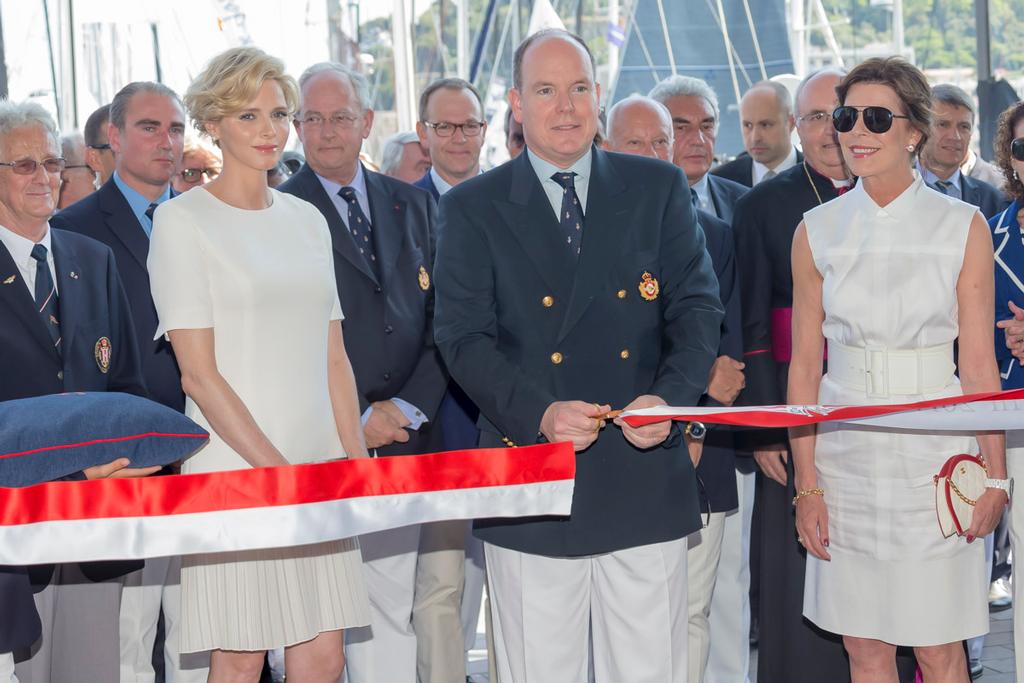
pixel 697 430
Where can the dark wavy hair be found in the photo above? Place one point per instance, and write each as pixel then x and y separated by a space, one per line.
pixel 909 84
pixel 1008 120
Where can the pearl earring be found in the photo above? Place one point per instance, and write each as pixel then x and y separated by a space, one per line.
pixel 910 148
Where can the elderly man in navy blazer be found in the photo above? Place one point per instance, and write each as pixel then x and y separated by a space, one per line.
pixel 382 231
pixel 67 327
pixel 572 280
pixel 694 108
pixel 146 133
pixel 641 125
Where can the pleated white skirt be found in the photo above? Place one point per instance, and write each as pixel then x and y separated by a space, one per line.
pixel 265 599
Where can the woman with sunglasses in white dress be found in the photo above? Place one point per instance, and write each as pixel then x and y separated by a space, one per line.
pixel 890 275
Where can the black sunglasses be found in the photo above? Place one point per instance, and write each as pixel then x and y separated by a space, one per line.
pixel 1017 149
pixel 876 119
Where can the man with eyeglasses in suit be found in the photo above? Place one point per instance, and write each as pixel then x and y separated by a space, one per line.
pixel 382 233
pixel 452 128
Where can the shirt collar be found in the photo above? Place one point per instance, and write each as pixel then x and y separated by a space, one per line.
pixel 440 183
pixel 903 207
pixel 358 183
pixel 544 169
pixel 760 169
pixel 138 202
pixel 20 247
pixel 930 178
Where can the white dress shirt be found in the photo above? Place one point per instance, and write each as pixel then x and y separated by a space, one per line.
pixel 759 170
pixel 20 249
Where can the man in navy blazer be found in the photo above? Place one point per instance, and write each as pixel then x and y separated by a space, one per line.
pixel 641 125
pixel 146 133
pixel 572 280
pixel 449 574
pixel 382 232
pixel 67 327
pixel 694 108
pixel 949 137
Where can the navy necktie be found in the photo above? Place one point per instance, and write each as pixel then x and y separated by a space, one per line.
pixel 946 187
pixel 150 210
pixel 359 226
pixel 571 215
pixel 694 199
pixel 46 296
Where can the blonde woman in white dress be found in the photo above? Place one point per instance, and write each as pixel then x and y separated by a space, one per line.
pixel 243 283
pixel 890 274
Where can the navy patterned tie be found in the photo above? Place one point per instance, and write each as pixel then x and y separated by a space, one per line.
pixel 694 199
pixel 46 296
pixel 571 215
pixel 359 226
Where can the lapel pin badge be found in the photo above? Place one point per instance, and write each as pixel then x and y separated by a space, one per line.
pixel 74 275
pixel 11 279
pixel 648 287
pixel 424 278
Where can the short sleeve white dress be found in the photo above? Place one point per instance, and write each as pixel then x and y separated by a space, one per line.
pixel 889 295
pixel 264 281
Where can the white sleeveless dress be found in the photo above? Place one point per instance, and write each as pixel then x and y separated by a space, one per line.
pixel 264 281
pixel 890 277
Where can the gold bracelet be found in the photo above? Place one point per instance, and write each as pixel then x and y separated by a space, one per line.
pixel 808 492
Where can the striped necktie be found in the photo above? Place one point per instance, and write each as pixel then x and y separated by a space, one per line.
pixel 46 296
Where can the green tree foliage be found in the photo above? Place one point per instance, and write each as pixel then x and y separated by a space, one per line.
pixel 941 32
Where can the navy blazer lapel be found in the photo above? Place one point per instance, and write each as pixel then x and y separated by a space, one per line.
pixel 387 217
pixel 70 289
pixel 529 216
pixel 968 190
pixel 122 222
pixel 15 295
pixel 605 225
pixel 341 238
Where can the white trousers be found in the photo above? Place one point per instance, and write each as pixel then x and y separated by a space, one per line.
pixel 1015 469
pixel 386 650
pixel 632 603
pixel 473 591
pixel 7 668
pixel 145 591
pixel 729 657
pixel 80 630
pixel 702 560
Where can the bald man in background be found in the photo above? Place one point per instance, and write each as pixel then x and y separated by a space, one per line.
pixel 767 123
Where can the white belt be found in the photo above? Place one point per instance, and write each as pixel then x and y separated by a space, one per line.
pixel 882 372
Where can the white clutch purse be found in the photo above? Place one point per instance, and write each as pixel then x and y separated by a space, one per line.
pixel 958 485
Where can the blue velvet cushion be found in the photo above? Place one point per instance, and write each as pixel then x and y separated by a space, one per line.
pixel 50 437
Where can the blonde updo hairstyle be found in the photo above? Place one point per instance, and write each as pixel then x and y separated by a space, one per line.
pixel 231 81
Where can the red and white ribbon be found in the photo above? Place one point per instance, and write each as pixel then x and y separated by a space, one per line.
pixel 994 410
pixel 276 507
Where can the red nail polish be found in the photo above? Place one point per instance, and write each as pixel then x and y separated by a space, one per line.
pixel 970 539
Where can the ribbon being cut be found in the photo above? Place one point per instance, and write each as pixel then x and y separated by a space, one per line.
pixel 68 521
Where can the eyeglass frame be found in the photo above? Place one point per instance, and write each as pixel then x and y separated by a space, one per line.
pixel 100 148
pixel 13 165
pixel 433 125
pixel 211 173
pixel 815 118
pixel 861 114
pixel 345 122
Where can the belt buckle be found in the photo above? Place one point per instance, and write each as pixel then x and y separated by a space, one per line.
pixel 876 371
